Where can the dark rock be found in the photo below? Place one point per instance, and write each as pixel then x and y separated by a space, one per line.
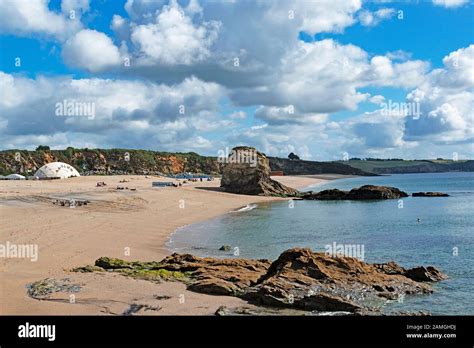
pixel 214 286
pixel 366 192
pixel 217 276
pixel 225 311
pixel 225 248
pixel 299 279
pixel 302 279
pixel 248 172
pixel 332 194
pixel 43 289
pixel 425 274
pixel 70 202
pixel 390 268
pixel 430 194
pixel 376 192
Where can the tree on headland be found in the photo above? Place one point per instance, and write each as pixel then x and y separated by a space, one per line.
pixel 293 156
pixel 42 148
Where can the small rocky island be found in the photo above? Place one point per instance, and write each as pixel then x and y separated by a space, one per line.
pixel 298 279
pixel 365 192
pixel 429 194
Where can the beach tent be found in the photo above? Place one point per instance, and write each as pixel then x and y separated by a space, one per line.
pixel 56 170
pixel 15 177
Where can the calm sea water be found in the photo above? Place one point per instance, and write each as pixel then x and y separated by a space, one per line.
pixel 388 230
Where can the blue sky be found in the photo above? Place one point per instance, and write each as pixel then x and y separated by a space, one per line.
pixel 317 84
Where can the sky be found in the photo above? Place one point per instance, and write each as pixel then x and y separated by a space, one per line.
pixel 325 79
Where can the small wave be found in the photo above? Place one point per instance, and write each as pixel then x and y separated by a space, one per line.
pixel 248 207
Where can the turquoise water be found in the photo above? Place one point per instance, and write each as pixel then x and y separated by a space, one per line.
pixel 388 230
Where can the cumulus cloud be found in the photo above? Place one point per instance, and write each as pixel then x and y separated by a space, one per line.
pixel 238 115
pixel 288 114
pixel 91 50
pixel 325 76
pixel 377 130
pixel 194 54
pixel 446 100
pixel 450 3
pixel 120 26
pixel 74 8
pixel 174 39
pixel 313 16
pixel 150 115
pixel 370 19
pixel 33 17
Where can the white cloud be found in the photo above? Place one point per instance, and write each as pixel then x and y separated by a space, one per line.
pixel 120 26
pixel 370 19
pixel 91 50
pixel 377 130
pixel 313 16
pixel 140 10
pixel 174 39
pixel 450 3
pixel 377 99
pixel 324 76
pixel 128 113
pixel 74 8
pixel 33 17
pixel 288 114
pixel 446 100
pixel 238 115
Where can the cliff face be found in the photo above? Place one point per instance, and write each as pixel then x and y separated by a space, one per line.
pixel 114 161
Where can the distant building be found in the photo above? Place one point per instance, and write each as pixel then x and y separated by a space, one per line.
pixel 277 173
pixel 56 170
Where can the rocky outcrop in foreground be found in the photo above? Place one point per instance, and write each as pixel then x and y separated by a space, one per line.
pixel 429 194
pixel 247 171
pixel 298 279
pixel 366 192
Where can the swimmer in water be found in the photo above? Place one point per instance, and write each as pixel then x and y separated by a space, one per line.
pixel 418 220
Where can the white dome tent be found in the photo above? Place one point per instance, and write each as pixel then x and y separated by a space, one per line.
pixel 56 170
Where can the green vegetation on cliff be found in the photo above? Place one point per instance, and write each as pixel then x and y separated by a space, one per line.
pixel 143 162
pixel 108 161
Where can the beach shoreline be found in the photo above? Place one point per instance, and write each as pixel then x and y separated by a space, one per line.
pixel 128 224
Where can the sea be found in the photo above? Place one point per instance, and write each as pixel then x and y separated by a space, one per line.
pixel 412 231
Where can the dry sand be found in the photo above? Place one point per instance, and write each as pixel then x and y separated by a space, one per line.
pixel 132 225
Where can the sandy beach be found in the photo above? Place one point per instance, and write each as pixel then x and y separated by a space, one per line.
pixel 127 224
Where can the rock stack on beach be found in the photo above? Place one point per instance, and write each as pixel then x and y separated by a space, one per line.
pixel 247 171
